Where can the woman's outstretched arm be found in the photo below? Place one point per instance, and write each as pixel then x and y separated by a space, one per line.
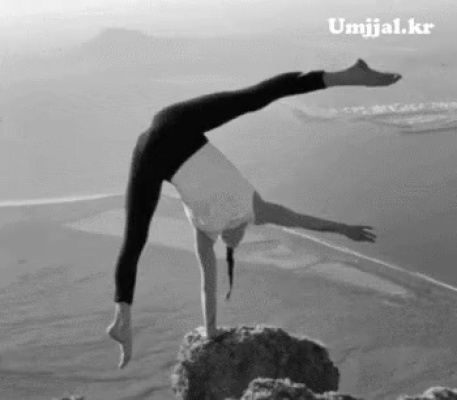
pixel 271 213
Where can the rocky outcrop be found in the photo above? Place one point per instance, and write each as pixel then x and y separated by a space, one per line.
pixel 224 367
pixel 280 389
pixel 262 363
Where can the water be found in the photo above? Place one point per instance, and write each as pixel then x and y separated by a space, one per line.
pixel 400 181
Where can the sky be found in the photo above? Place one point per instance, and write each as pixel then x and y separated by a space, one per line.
pixel 36 23
pixel 32 23
pixel 15 8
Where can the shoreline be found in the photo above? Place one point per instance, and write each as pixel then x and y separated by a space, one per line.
pixel 172 226
pixel 395 267
pixel 167 191
pixel 56 200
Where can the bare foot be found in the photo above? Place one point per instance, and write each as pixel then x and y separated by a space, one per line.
pixel 361 74
pixel 121 332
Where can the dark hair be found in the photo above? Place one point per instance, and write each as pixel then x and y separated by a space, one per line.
pixel 231 265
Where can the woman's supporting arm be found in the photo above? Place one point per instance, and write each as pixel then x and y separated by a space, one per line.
pixel 208 265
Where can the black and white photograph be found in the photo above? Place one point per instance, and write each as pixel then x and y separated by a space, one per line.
pixel 228 199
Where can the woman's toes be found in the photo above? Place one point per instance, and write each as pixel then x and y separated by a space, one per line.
pixel 392 78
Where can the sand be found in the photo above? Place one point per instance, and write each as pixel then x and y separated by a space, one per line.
pixel 388 334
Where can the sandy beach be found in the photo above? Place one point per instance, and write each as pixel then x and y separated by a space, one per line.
pixel 388 335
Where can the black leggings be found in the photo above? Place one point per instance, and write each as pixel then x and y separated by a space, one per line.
pixel 177 132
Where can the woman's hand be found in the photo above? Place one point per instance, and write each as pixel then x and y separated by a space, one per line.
pixel 214 333
pixel 358 233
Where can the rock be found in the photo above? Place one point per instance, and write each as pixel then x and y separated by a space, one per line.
pixel 436 393
pixel 224 367
pixel 280 389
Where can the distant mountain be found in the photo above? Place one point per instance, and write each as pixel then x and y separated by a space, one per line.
pixel 122 48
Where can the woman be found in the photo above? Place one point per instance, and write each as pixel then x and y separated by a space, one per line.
pixel 216 197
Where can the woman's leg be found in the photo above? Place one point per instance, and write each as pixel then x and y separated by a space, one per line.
pixel 143 194
pixel 183 125
pixel 203 113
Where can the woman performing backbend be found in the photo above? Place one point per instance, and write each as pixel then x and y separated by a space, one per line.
pixel 217 199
